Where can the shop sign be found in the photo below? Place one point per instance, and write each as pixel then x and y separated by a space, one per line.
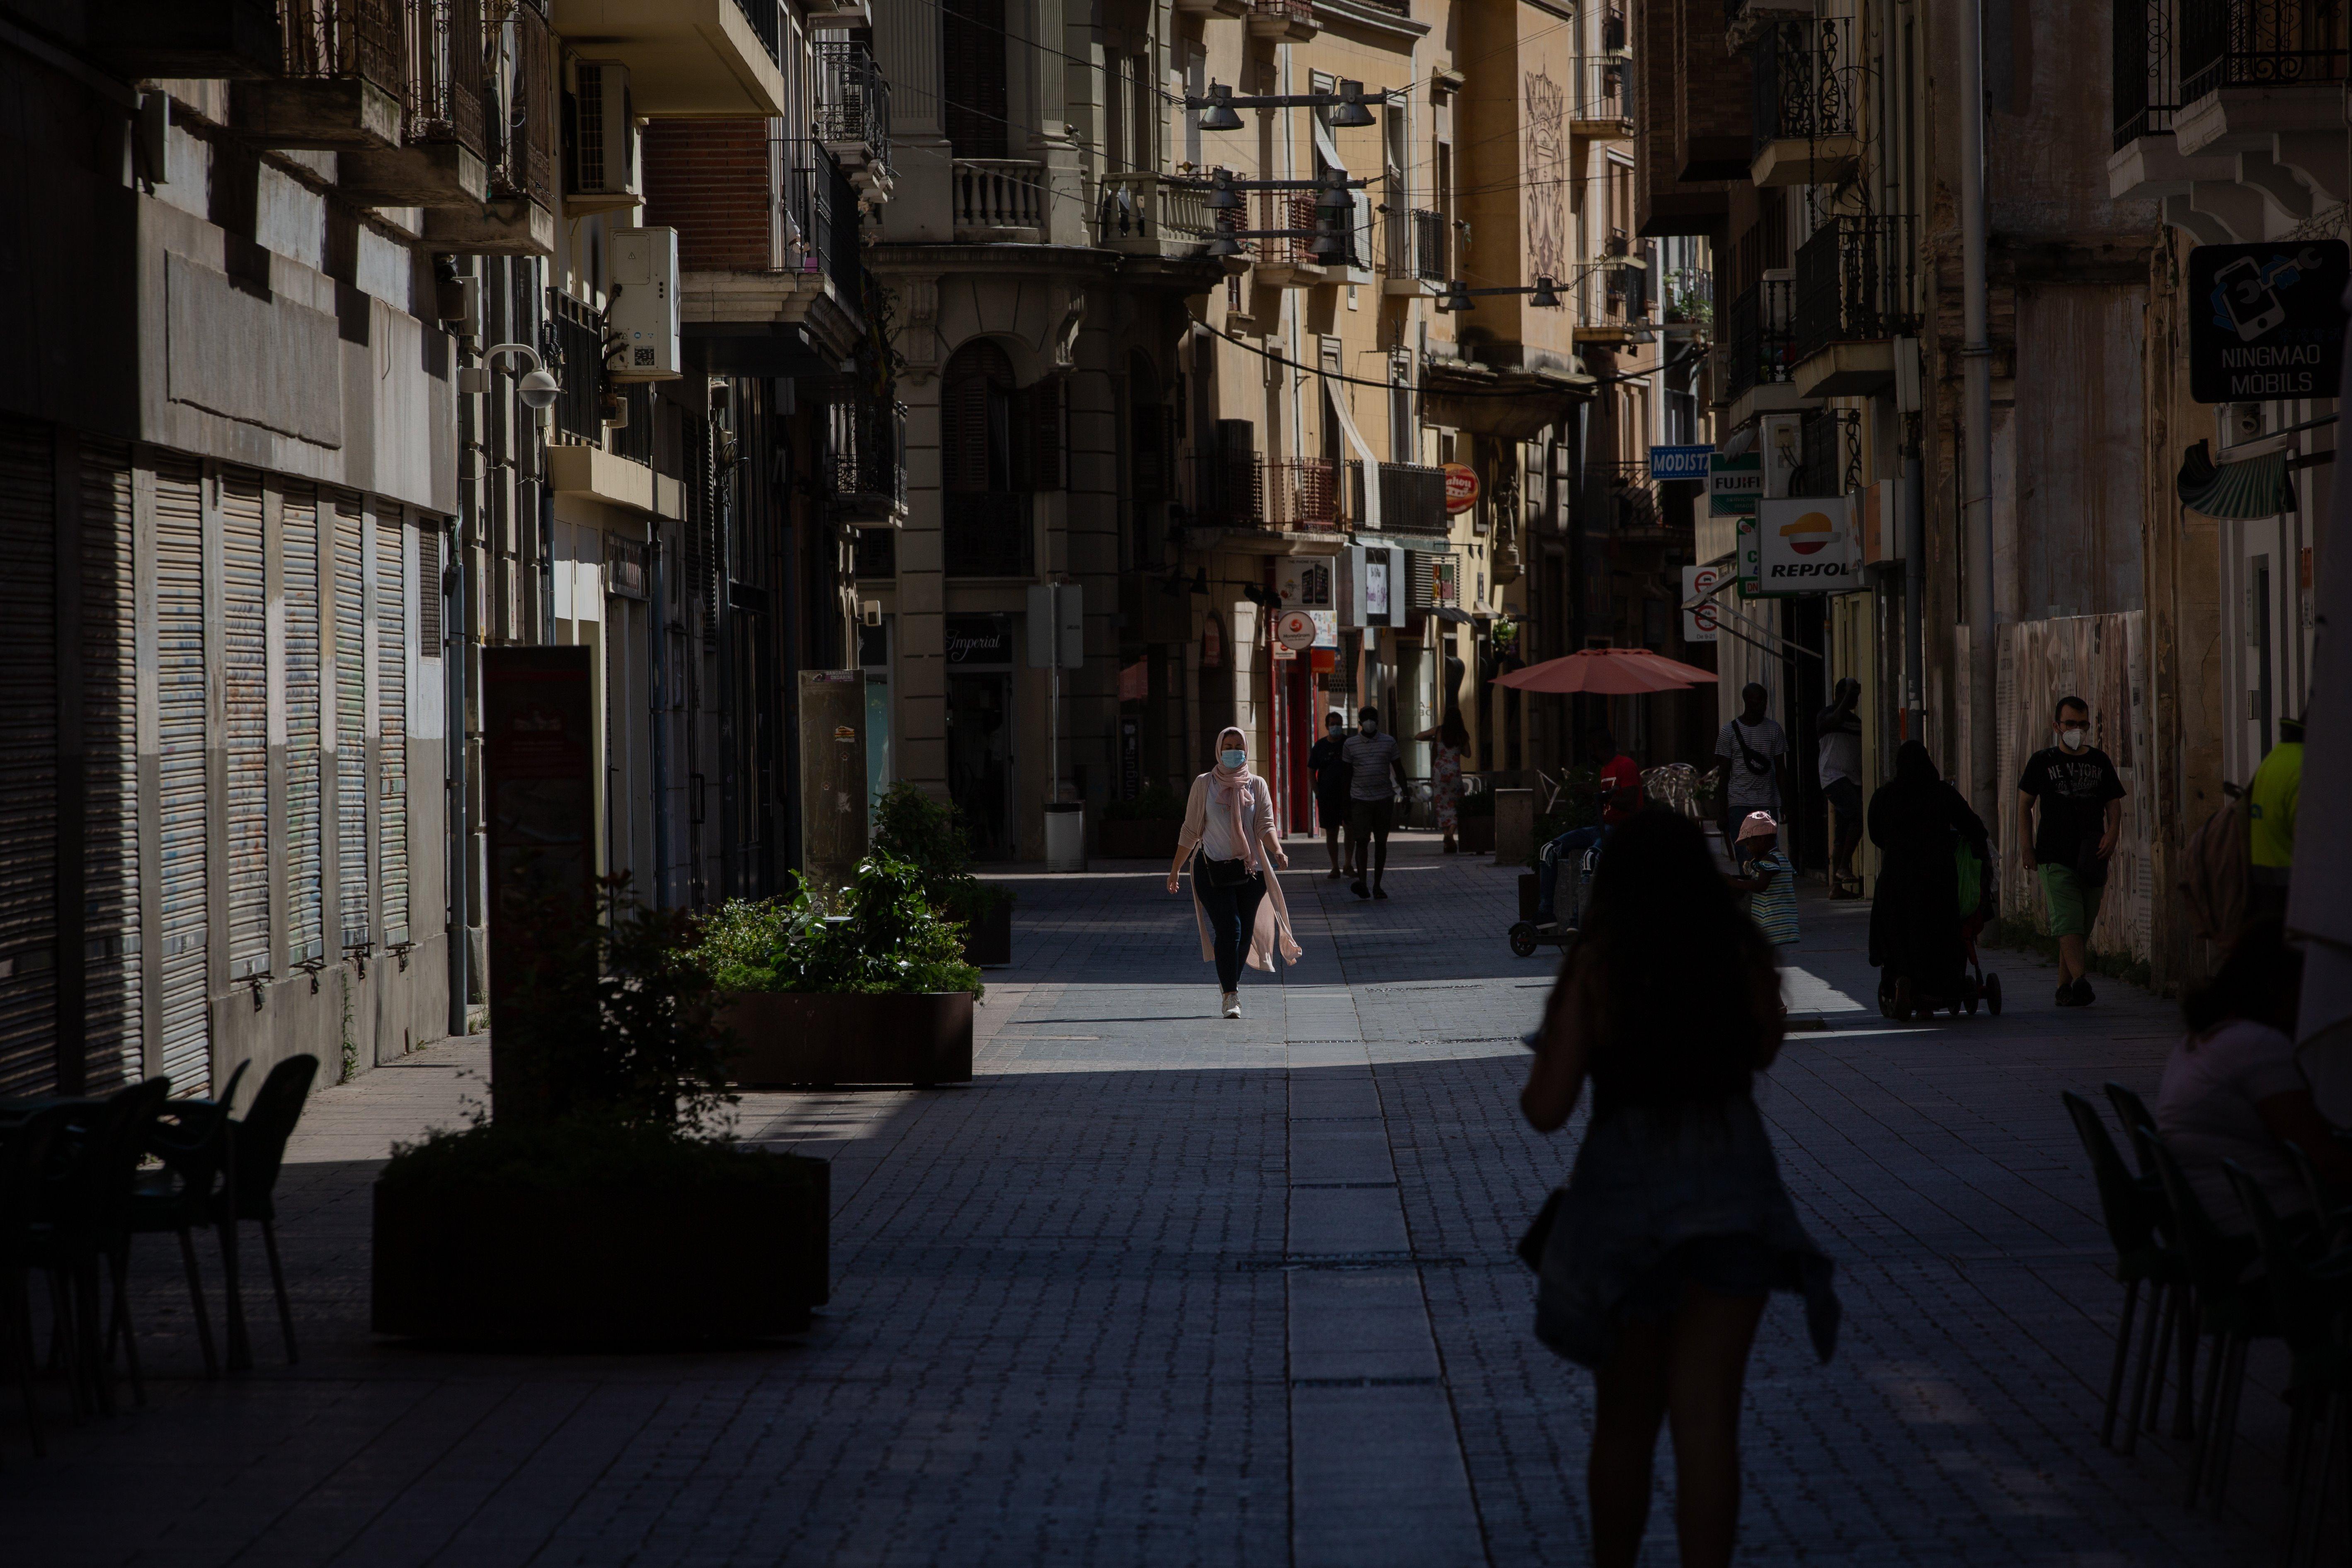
pixel 1680 462
pixel 2266 322
pixel 1327 627
pixel 1295 630
pixel 1734 485
pixel 1460 488
pixel 979 639
pixel 1699 612
pixel 1808 544
pixel 1304 584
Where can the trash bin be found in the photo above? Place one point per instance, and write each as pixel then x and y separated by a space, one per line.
pixel 1065 835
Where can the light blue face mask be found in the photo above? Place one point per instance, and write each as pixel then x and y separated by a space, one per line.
pixel 1233 760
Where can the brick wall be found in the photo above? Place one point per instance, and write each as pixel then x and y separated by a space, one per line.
pixel 708 180
pixel 1715 106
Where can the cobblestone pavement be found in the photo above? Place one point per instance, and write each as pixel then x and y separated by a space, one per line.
pixel 1161 1289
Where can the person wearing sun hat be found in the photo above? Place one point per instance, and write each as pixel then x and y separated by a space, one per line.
pixel 1770 883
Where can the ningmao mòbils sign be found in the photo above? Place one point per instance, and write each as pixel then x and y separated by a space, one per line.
pixel 2266 320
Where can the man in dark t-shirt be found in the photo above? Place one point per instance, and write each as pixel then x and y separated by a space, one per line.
pixel 2080 800
pixel 1330 775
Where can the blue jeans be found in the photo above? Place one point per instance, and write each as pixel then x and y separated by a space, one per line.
pixel 1574 842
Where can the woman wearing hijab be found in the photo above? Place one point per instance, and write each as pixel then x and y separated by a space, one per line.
pixel 1918 821
pixel 1229 820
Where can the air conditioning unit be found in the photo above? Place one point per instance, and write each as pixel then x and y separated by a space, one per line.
pixel 643 266
pixel 601 140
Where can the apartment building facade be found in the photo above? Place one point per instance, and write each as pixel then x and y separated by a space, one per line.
pixel 280 471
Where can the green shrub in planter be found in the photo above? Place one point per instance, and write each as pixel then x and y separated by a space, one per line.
pixel 910 826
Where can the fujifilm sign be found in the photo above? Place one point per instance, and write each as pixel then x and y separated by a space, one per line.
pixel 1808 544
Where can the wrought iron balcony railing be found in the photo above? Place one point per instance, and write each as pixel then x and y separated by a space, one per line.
pixel 1802 69
pixel 2261 43
pixel 986 534
pixel 1413 245
pixel 572 344
pixel 1246 490
pixel 765 18
pixel 1854 283
pixel 1603 90
pixel 867 457
pixel 819 211
pixel 1761 341
pixel 362 39
pixel 1412 498
pixel 522 151
pixel 853 103
pixel 2147 69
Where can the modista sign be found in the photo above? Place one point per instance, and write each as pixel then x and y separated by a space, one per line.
pixel 1808 544
pixel 2266 322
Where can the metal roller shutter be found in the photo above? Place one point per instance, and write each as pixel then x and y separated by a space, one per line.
pixel 110 779
pixel 180 690
pixel 391 718
pixel 245 691
pixel 29 759
pixel 305 802
pixel 351 722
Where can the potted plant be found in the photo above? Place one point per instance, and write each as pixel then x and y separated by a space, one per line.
pixel 1144 828
pixel 910 826
pixel 620 1213
pixel 868 986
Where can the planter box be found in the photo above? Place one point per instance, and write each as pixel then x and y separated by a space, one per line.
pixel 815 1039
pixel 988 942
pixel 1133 840
pixel 602 1266
pixel 1475 835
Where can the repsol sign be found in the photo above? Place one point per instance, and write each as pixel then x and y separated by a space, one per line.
pixel 2266 322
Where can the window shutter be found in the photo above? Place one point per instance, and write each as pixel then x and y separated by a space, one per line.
pixel 28 742
pixel 964 434
pixel 245 693
pixel 976 105
pixel 180 692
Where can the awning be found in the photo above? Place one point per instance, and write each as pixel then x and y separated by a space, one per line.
pixel 1425 545
pixel 2254 487
pixel 1338 401
pixel 1451 617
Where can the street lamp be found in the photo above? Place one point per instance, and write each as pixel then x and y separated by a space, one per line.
pixel 1349 106
pixel 1333 206
pixel 1543 293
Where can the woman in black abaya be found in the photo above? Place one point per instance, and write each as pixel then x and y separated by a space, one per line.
pixel 1918 821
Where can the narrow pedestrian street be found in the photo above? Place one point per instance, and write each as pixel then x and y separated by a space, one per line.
pixel 1158 1288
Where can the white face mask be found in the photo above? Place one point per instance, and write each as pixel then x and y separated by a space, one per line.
pixel 2074 740
pixel 1369 727
pixel 1233 760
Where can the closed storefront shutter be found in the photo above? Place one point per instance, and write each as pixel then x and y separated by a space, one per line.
pixel 245 691
pixel 351 722
pixel 304 779
pixel 110 777
pixel 392 717
pixel 180 691
pixel 29 759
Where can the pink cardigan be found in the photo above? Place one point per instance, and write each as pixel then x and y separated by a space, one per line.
pixel 1273 927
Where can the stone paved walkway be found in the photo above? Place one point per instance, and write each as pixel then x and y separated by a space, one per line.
pixel 1161 1289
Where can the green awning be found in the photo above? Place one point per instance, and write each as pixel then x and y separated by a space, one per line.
pixel 2256 487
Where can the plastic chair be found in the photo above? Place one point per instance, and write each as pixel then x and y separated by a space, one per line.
pixel 81 1219
pixel 2134 1115
pixel 2233 1310
pixel 25 1151
pixel 261 1152
pixel 2305 1298
pixel 2141 1258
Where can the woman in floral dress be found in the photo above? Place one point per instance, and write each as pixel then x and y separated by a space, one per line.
pixel 1445 773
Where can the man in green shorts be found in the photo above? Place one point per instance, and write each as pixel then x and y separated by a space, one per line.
pixel 2081 805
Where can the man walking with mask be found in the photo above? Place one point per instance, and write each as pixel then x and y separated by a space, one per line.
pixel 1375 773
pixel 2081 805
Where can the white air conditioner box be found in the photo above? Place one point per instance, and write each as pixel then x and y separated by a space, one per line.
pixel 644 271
pixel 601 160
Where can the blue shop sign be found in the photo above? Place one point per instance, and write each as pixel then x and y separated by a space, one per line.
pixel 1679 462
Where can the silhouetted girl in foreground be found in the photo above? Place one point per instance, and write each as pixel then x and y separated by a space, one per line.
pixel 1674 1226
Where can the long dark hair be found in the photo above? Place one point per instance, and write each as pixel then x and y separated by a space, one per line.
pixel 2260 980
pixel 1451 730
pixel 1676 960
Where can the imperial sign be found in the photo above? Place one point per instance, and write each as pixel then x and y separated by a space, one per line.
pixel 2266 322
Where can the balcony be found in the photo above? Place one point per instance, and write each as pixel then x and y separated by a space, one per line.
pixel 572 343
pixel 1283 21
pixel 1601 104
pixel 1413 252
pixel 2264 80
pixel 1760 350
pixel 820 214
pixel 865 461
pixel 519 145
pixel 1805 130
pixel 986 534
pixel 999 201
pixel 1854 296
pixel 1153 214
pixel 342 78
pixel 1413 498
pixel 687 59
pixel 1266 495
pixel 853 115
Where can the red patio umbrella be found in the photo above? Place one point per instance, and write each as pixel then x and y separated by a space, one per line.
pixel 1608 672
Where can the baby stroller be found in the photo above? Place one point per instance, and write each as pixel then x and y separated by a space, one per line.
pixel 1902 999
